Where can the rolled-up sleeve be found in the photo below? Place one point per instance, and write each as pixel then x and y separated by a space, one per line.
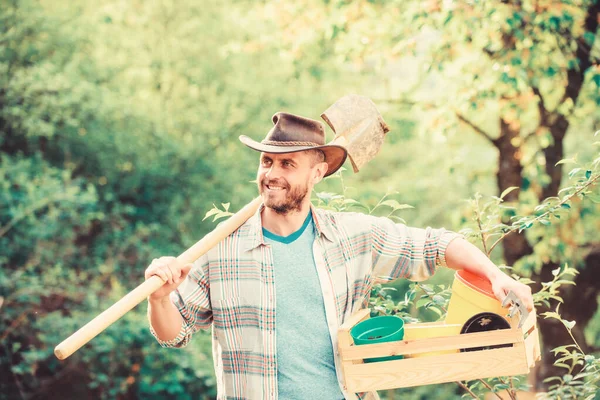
pixel 192 299
pixel 403 252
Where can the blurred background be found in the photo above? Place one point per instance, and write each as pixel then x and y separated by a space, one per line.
pixel 118 132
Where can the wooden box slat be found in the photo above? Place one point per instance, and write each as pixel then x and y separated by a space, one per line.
pixel 457 342
pixel 436 369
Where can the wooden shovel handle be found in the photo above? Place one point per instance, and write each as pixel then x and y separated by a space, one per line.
pixel 139 294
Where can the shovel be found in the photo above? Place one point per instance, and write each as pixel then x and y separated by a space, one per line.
pixel 358 127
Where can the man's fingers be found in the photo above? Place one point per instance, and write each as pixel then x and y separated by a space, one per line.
pixel 151 270
pixel 500 295
pixel 523 292
pixel 161 274
pixel 186 270
pixel 169 269
pixel 168 272
pixel 527 298
pixel 174 271
pixel 183 272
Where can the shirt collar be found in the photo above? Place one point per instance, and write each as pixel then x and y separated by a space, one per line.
pixel 254 224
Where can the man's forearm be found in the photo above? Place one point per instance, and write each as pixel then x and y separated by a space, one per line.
pixel 461 254
pixel 164 318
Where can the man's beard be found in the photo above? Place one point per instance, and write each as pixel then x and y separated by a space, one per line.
pixel 293 197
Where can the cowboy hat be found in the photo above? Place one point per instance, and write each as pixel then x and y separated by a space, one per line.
pixel 292 133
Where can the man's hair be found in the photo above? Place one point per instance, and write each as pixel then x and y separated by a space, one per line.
pixel 317 156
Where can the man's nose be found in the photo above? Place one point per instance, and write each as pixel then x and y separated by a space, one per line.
pixel 271 172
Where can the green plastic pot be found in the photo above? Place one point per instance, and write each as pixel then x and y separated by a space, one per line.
pixel 386 328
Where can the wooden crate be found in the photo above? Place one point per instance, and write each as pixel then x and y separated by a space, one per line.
pixel 436 368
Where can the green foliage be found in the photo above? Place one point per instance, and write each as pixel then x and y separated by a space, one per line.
pixel 582 371
pixel 119 126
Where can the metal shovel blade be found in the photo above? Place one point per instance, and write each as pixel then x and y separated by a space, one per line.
pixel 358 126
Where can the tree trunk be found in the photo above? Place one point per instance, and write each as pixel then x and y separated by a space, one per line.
pixel 516 246
pixel 553 154
pixel 509 174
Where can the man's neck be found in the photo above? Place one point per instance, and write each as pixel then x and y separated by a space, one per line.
pixel 284 225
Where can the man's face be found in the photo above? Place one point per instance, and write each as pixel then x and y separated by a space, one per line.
pixel 284 180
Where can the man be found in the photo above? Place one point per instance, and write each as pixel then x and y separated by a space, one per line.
pixel 277 289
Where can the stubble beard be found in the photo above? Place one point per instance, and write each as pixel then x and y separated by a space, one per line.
pixel 292 201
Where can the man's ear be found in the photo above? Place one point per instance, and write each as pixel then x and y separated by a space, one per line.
pixel 320 171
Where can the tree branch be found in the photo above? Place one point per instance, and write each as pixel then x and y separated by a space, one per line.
pixel 462 385
pixel 475 127
pixel 589 183
pixel 541 104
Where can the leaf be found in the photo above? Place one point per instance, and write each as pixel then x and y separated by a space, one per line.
pixel 594 199
pixel 354 203
pixel 566 161
pixel 574 171
pixel 426 288
pixel 552 378
pixel 439 300
pixel 551 314
pixel 395 205
pixel 435 310
pixel 588 174
pixel 225 206
pixel 211 212
pixel 569 324
pixel 351 201
pixel 565 205
pixel 507 191
pixel 583 375
pixel 422 302
pixel 327 197
pixel 221 214
pixel 589 358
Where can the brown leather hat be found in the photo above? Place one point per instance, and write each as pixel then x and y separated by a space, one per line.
pixel 292 133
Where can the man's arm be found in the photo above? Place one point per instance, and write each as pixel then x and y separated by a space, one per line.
pixel 399 251
pixel 165 319
pixel 460 254
pixel 182 306
pixel 404 252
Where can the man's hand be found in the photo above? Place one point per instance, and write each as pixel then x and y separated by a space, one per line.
pixel 502 284
pixel 170 270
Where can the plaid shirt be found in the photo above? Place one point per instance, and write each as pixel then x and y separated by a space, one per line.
pixel 232 288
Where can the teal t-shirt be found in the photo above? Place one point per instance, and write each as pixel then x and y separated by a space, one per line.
pixel 306 368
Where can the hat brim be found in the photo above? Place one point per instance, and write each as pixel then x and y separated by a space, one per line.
pixel 335 155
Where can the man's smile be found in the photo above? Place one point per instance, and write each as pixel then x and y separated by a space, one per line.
pixel 275 188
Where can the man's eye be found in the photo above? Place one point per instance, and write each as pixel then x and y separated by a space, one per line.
pixel 266 162
pixel 287 164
